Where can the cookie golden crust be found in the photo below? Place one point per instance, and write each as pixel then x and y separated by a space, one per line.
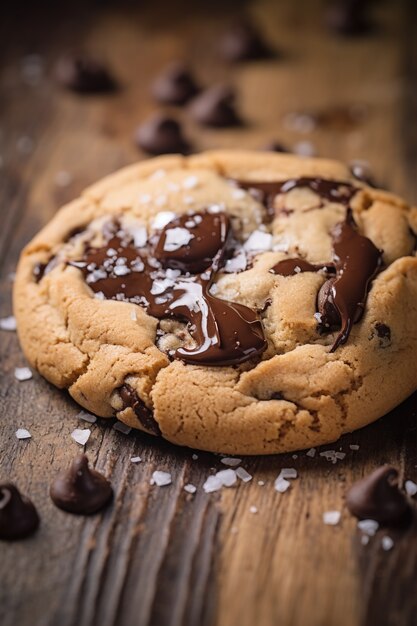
pixel 282 376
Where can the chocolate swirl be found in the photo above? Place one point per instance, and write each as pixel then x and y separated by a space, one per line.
pixel 172 277
pixel 356 260
pixel 331 190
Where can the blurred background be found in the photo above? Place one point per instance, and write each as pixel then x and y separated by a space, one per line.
pixel 335 79
pixel 87 87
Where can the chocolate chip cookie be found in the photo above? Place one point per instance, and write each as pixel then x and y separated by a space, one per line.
pixel 232 301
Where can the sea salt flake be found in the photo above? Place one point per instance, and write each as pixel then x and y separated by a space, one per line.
pixel 99 295
pixel 176 238
pixel 243 474
pixel 332 456
pixel 227 477
pixel 410 487
pixel 161 285
pixel 318 317
pixel 288 472
pixel 122 428
pixel 331 518
pixel 158 174
pixel 365 540
pixel 87 417
pixel 231 461
pixel 63 178
pixel 8 323
pixel 237 263
pixel 311 453
pixel 191 182
pixel 387 543
pixel 140 236
pixel 253 509
pixel 304 148
pixel 135 459
pixel 281 485
pixel 133 315
pixel 213 483
pixel 238 194
pixel 161 479
pixel 258 241
pixel 81 435
pixel 162 219
pixel 368 526
pixel 121 270
pixel 189 488
pixel 22 373
pixel 354 446
pixel 22 433
pixel 194 457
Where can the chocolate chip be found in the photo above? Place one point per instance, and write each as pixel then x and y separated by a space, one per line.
pixel 383 331
pixel 215 107
pixel 378 497
pixel 18 515
pixel 84 75
pixel 80 489
pixel 274 146
pixel 242 42
pixel 348 17
pixel 175 85
pixel 161 135
pixel 41 269
pixel 330 317
pixel 277 396
pixel 131 399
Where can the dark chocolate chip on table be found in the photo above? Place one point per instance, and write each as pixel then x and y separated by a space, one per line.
pixel 348 17
pixel 378 497
pixel 274 146
pixel 243 42
pixel 176 85
pixel 215 106
pixel 161 135
pixel 80 489
pixel 18 515
pixel 84 75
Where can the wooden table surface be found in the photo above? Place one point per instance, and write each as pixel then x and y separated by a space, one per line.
pixel 159 556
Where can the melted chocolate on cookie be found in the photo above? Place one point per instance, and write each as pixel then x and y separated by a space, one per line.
pixel 331 190
pixel 130 398
pixel 172 277
pixel 356 260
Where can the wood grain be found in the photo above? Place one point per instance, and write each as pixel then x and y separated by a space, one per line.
pixel 159 556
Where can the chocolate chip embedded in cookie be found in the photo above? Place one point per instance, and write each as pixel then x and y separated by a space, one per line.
pixel 239 302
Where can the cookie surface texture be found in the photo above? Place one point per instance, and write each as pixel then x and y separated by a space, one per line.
pixel 232 301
